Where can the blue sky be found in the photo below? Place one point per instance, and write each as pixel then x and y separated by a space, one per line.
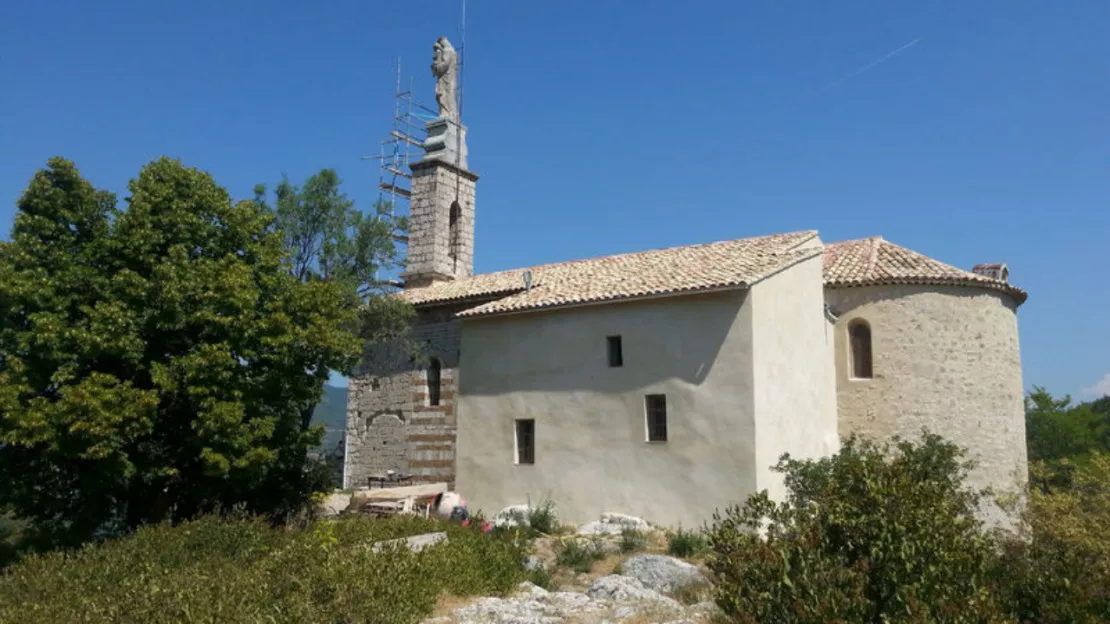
pixel 611 126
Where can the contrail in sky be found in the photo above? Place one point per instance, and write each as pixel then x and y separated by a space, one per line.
pixel 884 59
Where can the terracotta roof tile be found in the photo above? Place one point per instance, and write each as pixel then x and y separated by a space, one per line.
pixel 872 261
pixel 727 264
pixel 736 263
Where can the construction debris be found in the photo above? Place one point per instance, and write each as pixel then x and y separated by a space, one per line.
pixel 412 499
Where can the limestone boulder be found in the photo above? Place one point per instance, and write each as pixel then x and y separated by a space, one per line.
pixel 621 588
pixel 662 573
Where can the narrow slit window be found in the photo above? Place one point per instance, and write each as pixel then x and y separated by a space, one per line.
pixel 453 216
pixel 616 354
pixel 655 406
pixel 526 441
pixel 859 333
pixel 434 376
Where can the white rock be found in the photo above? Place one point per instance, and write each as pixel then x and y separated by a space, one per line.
pixel 613 524
pixel 598 527
pixel 610 600
pixel 511 516
pixel 335 504
pixel 627 589
pixel 624 520
pixel 533 563
pixel 531 589
pixel 663 573
pixel 416 543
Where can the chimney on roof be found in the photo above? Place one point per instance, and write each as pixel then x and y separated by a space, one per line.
pixel 528 281
pixel 996 271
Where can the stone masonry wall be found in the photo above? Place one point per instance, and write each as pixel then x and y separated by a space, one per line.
pixel 439 249
pixel 946 358
pixel 390 424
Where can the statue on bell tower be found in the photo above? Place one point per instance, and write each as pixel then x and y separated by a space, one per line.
pixel 445 67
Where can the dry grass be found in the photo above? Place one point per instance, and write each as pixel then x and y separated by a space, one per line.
pixel 606 566
pixel 693 594
pixel 651 616
pixel 657 542
pixel 544 548
pixel 447 605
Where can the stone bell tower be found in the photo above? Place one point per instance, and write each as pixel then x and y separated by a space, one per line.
pixel 441 208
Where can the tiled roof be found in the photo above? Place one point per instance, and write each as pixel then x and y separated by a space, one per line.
pixel 736 263
pixel 872 261
pixel 728 264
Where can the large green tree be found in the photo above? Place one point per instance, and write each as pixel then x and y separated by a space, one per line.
pixel 329 240
pixel 155 361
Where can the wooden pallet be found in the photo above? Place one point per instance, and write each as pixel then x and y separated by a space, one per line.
pixel 382 503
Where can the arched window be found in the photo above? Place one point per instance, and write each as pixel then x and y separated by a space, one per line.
pixel 433 382
pixel 859 334
pixel 453 230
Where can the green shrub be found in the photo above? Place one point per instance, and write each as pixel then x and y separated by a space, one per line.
pixel 866 535
pixel 246 571
pixel 577 555
pixel 632 539
pixel 1058 569
pixel 684 543
pixel 542 519
pixel 542 578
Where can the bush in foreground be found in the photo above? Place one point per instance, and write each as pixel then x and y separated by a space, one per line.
pixel 224 570
pixel 864 536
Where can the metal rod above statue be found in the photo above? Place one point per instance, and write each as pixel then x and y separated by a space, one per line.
pixel 446 140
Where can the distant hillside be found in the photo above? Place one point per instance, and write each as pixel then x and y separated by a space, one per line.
pixel 332 413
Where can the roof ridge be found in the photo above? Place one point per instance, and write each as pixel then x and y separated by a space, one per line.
pixel 873 252
pixel 875 260
pixel 933 260
pixel 808 235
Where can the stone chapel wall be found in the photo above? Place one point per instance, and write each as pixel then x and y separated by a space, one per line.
pixel 946 358
pixel 390 425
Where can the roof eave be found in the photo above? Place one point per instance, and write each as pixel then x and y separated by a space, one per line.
pixel 624 299
pixel 447 301
pixel 1016 293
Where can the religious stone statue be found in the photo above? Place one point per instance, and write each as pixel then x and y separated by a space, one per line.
pixel 445 67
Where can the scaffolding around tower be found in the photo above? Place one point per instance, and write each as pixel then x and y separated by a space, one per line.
pixel 403 146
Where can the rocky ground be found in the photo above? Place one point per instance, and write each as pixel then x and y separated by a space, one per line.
pixel 620 588
pixel 609 599
pixel 625 579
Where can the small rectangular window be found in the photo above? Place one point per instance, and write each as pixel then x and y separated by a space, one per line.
pixel 655 406
pixel 616 356
pixel 526 441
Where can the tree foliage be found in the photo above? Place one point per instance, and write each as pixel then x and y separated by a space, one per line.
pixel 1062 437
pixel 1058 570
pixel 1056 429
pixel 155 361
pixel 329 239
pixel 871 534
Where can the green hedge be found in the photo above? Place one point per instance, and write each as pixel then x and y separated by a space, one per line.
pixel 219 570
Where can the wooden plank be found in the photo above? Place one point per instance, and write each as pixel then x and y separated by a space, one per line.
pixel 416 543
pixel 399 493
